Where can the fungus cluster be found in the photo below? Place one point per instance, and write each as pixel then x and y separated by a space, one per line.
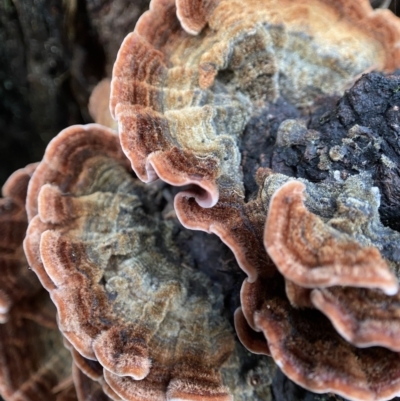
pixel 28 316
pixel 239 103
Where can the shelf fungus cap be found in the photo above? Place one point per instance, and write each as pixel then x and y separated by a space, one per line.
pixel 88 389
pixel 308 349
pixel 336 335
pixel 364 317
pixel 57 170
pixel 17 281
pixel 189 77
pixel 99 107
pixel 122 295
pixel 313 254
pixel 194 14
pixel 183 100
pixel 29 318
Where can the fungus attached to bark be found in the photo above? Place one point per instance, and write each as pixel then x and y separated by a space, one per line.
pixel 313 254
pixel 307 348
pixel 304 343
pixel 17 282
pixel 296 240
pixel 203 102
pixel 34 365
pixel 206 93
pixel 126 295
pixel 183 100
pixel 358 134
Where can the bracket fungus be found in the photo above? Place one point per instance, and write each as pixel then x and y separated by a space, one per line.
pixel 183 95
pixel 29 319
pixel 17 282
pixel 366 315
pixel 238 102
pixel 191 90
pixel 127 298
pixel 313 254
pixel 360 321
pixel 308 349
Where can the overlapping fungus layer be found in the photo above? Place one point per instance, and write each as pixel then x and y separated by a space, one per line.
pixel 223 100
pixel 182 101
pixel 34 365
pixel 139 319
pixel 238 100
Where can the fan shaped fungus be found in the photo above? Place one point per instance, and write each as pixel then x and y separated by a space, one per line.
pixel 183 103
pixel 191 90
pixel 17 282
pixel 301 340
pixel 219 96
pixel 34 365
pixel 116 276
pixel 330 257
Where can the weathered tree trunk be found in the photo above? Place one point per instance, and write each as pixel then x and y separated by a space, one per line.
pixel 52 53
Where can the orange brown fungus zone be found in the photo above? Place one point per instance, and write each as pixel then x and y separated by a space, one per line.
pixel 299 297
pixel 182 101
pixel 349 346
pixel 29 328
pixel 194 14
pixel 17 282
pixel 116 278
pixel 54 171
pixel 88 377
pixel 239 225
pixel 99 107
pixel 307 348
pixel 312 254
pixel 88 389
pixel 253 341
pixel 364 317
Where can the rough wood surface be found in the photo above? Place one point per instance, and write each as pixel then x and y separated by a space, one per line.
pixel 52 54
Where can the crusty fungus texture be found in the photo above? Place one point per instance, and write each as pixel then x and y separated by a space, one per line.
pixel 330 257
pixel 34 365
pixel 228 98
pixel 17 282
pixel 137 316
pixel 280 122
pixel 183 100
